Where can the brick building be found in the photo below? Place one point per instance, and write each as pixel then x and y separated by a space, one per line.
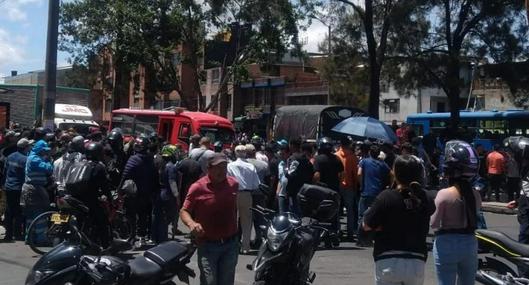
pixel 23 103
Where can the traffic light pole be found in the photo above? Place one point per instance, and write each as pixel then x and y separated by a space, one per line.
pixel 48 113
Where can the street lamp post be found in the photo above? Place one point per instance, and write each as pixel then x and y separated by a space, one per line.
pixel 51 64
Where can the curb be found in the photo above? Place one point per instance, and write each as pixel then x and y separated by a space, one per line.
pixel 498 208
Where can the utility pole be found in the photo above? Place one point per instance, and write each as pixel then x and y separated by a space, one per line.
pixel 51 64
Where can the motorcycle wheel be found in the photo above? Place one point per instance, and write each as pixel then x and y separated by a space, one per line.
pixel 43 234
pixel 498 270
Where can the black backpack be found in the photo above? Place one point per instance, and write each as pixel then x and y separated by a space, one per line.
pixel 77 180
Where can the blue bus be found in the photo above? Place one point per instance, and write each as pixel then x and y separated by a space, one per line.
pixel 483 127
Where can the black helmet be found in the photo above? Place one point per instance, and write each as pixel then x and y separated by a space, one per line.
pixel 77 144
pixel 141 143
pixel 218 145
pixel 460 160
pixel 115 136
pixel 519 147
pixel 325 144
pixel 50 137
pixel 94 151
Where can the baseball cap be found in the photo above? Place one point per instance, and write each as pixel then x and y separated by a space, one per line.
pixel 216 159
pixel 23 143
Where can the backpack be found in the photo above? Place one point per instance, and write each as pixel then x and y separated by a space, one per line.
pixel 77 180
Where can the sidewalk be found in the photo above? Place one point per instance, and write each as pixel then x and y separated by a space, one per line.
pixel 498 208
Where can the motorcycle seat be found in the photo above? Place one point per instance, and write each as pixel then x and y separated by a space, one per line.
pixel 169 255
pixel 505 243
pixel 144 271
pixel 72 203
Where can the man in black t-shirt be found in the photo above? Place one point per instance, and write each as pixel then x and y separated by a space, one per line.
pixel 299 172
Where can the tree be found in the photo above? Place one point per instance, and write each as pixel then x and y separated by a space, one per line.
pixel 368 29
pixel 457 33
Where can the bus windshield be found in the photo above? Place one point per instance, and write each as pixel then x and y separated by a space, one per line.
pixel 224 135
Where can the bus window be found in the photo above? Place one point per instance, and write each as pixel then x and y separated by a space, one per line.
pixel 145 125
pixel 184 133
pixel 124 122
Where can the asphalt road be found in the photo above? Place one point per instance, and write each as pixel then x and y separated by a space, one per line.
pixel 345 265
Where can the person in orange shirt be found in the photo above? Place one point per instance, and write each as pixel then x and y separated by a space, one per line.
pixel 349 185
pixel 496 171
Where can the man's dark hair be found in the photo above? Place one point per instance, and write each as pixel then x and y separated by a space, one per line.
pixel 374 151
pixel 307 147
pixel 407 147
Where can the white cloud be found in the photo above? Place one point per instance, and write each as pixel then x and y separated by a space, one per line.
pixel 10 52
pixel 14 10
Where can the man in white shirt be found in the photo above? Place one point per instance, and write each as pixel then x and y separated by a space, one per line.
pixel 246 174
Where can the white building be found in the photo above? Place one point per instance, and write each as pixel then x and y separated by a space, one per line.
pixel 395 106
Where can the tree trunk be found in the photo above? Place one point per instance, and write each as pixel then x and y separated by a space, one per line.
pixel 374 90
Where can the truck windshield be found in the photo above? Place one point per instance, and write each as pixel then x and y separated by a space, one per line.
pixel 82 129
pixel 218 134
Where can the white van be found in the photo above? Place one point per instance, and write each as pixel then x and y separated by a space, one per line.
pixel 77 117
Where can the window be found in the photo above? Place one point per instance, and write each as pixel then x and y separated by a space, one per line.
pixel 228 102
pixel 218 134
pixel 391 105
pixel 384 86
pixel 215 75
pixel 124 122
pixel 184 133
pixel 166 129
pixel 145 124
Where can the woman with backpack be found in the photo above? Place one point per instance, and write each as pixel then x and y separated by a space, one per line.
pixel 400 219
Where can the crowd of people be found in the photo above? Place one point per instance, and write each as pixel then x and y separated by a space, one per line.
pixel 211 188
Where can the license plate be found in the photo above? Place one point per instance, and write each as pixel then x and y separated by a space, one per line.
pixel 60 219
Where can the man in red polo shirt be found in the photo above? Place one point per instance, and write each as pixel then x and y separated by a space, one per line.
pixel 210 212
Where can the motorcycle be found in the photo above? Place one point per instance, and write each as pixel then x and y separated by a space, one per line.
pixel 290 242
pixel 65 224
pixel 496 255
pixel 85 262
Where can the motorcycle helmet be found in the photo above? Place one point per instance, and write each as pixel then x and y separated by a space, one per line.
pixel 218 145
pixel 94 151
pixel 77 144
pixel 460 160
pixel 519 147
pixel 325 145
pixel 50 138
pixel 169 150
pixel 141 143
pixel 115 137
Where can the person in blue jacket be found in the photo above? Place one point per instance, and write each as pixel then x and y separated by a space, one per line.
pixel 35 198
pixel 14 179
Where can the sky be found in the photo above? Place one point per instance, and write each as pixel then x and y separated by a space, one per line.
pixel 23 25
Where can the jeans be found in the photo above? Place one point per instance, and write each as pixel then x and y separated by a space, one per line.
pixel 217 262
pixel 138 211
pixel 455 258
pixel 159 225
pixel 13 216
pixel 399 271
pixel 363 205
pixel 244 202
pixel 350 201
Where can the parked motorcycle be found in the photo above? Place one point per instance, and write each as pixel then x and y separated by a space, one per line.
pixel 290 242
pixel 80 263
pixel 54 227
pixel 502 260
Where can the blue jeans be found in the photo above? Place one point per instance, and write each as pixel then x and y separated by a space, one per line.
pixel 363 204
pixel 399 271
pixel 350 201
pixel 217 262
pixel 455 258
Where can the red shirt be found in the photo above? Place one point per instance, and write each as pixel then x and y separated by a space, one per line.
pixel 495 163
pixel 214 208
